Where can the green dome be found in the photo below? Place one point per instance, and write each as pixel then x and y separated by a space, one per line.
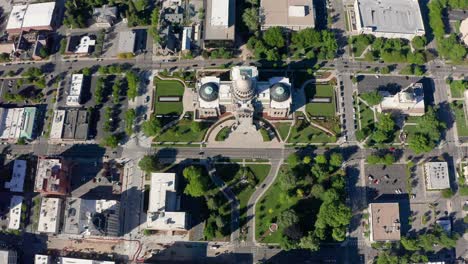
pixel 209 91
pixel 280 92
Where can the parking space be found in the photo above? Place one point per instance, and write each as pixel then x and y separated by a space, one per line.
pixel 368 83
pixel 386 180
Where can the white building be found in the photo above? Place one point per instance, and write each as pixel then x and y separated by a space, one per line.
pixel 16 123
pixel 14 217
pixel 85 45
pixel 220 22
pixel 17 178
pixel 50 214
pixel 74 93
pixel 186 39
pixel 464 31
pixel 409 101
pixel 289 14
pixel 126 42
pixel 8 256
pixel 44 259
pixel 28 17
pixel 389 18
pixel 57 125
pixel 163 204
pixel 243 93
pixel 437 175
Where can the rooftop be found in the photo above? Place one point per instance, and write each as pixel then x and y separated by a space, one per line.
pixel 15 212
pixel 437 176
pixel 292 14
pixel 8 256
pixel 91 217
pixel 410 100
pixel 219 22
pixel 49 216
pixel 42 259
pixel 74 93
pixel 17 122
pixel 30 16
pixel 17 177
pixel 126 42
pixel 385 221
pixel 70 124
pixel 50 176
pixel 395 16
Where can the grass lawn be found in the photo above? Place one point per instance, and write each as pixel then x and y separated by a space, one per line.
pixel 320 109
pixel 283 129
pixel 366 115
pixel 457 88
pixel 182 132
pixel 410 129
pixel 168 88
pixel 223 134
pixel 459 112
pixel 231 174
pixel 265 135
pixel 273 202
pixel 303 132
pixel 413 119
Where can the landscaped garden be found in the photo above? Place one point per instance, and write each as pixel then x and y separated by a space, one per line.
pixel 243 180
pixel 186 130
pixel 168 88
pixel 457 88
pixel 223 134
pixel 305 205
pixel 326 109
pixel 304 132
pixel 283 129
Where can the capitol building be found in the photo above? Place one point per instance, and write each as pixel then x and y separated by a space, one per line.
pixel 243 96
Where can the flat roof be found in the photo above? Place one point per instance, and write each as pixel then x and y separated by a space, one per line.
pixel 385 221
pixel 27 130
pixel 127 41
pixel 81 216
pixel 395 16
pixel 14 217
pixel 41 259
pixel 63 260
pixel 49 176
pixel 294 14
pixel 216 30
pixel 49 216
pixel 220 13
pixel 57 124
pixel 11 122
pixel 30 16
pixel 437 175
pixel 74 93
pixel 16 183
pixel 5 255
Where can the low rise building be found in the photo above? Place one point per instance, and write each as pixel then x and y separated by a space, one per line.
pixel 16 123
pixel 74 93
pixel 126 42
pixel 51 176
pixel 384 221
pixel 220 23
pixel 409 101
pixel 92 217
pixel 289 14
pixel 436 175
pixel 389 19
pixel 44 259
pixel 14 217
pixel 164 203
pixel 464 31
pixel 81 45
pixel 8 256
pixel 16 183
pixel 186 39
pixel 69 125
pixel 50 215
pixel 38 16
pixel 105 16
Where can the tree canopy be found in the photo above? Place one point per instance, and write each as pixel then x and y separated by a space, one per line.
pixel 198 183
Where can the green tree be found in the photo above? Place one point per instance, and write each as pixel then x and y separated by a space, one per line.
pixel 287 180
pixel 43 52
pixel 273 37
pixel 385 70
pixel 321 159
pixel 149 163
pixel 373 159
pixel 336 160
pixel 310 242
pixel 317 191
pixel 419 143
pixel 250 18
pixel 130 117
pixel 409 244
pixel 132 82
pixel 388 159
pixel 447 193
pixel 86 71
pixel 111 141
pixel 151 127
pixel 372 98
pixel 294 160
pixel 288 218
pixel 419 42
pixel 198 184
pixel 306 160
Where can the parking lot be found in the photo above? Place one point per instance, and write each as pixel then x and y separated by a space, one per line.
pixel 369 83
pixel 386 180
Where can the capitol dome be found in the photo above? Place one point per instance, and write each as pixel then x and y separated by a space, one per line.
pixel 209 91
pixel 243 88
pixel 280 92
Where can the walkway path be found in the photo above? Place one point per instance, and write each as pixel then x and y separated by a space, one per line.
pixel 269 180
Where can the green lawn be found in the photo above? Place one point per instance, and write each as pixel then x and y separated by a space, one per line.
pixel 231 175
pixel 283 129
pixel 303 132
pixel 457 88
pixel 182 132
pixel 410 129
pixel 358 48
pixel 265 134
pixel 168 88
pixel 459 112
pixel 320 109
pixel 366 115
pixel 273 202
pixel 223 134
